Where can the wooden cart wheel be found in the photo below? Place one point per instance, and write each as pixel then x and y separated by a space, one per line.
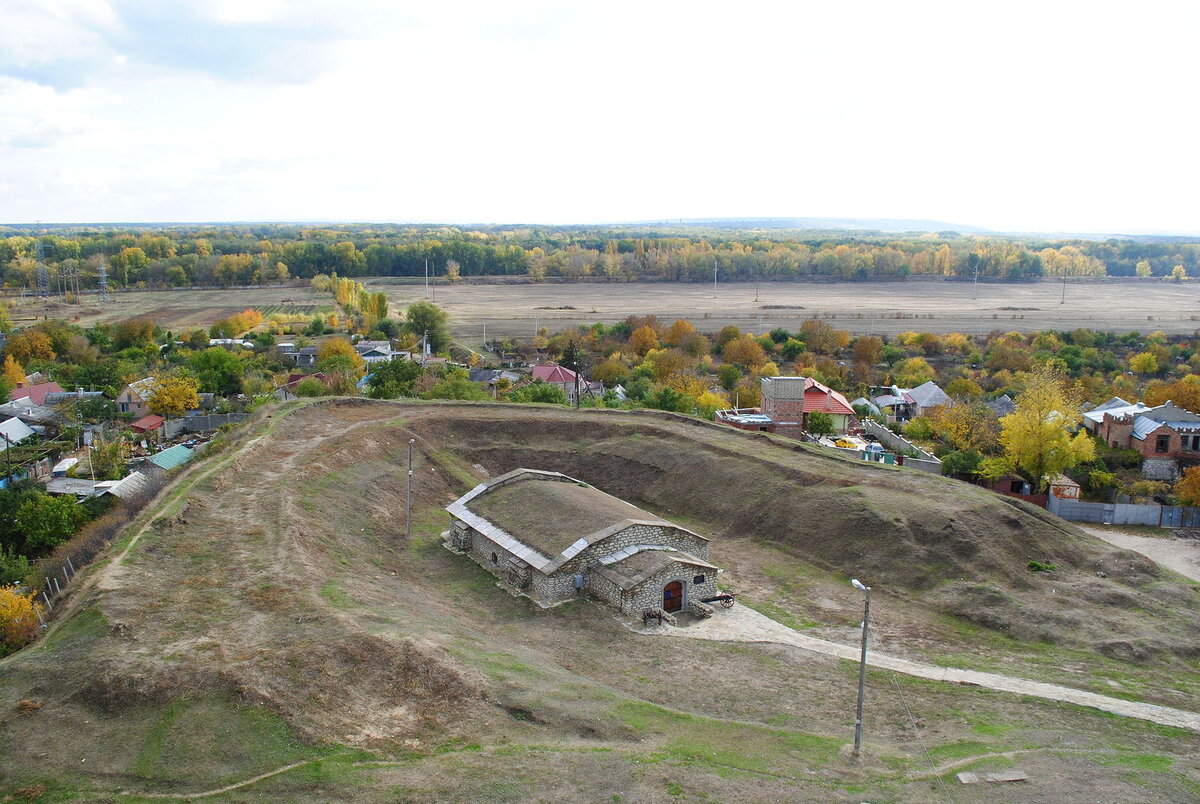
pixel 728 602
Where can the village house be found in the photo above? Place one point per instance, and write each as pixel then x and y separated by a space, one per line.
pixel 566 379
pixel 1164 436
pixel 787 402
pixel 902 404
pixel 374 351
pixel 135 397
pixel 552 538
pixel 36 394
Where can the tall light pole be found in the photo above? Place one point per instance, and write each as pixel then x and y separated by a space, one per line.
pixel 862 665
pixel 408 516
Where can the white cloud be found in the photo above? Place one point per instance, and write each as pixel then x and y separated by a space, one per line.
pixel 1069 116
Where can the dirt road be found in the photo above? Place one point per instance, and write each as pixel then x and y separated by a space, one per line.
pixel 1181 555
pixel 742 624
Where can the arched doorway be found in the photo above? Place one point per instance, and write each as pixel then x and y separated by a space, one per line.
pixel 673 596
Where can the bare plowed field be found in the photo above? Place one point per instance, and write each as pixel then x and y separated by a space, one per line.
pixel 862 308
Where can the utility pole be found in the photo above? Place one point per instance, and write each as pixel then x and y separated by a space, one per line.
pixel 975 285
pixel 8 455
pixel 1064 293
pixel 427 277
pixel 714 277
pixel 862 666
pixel 408 516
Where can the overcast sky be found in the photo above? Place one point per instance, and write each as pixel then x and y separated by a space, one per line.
pixel 1043 116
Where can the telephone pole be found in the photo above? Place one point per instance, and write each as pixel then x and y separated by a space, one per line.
pixel 408 516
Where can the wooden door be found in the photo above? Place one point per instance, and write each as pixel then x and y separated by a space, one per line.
pixel 673 596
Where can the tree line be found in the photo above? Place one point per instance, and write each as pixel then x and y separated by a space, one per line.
pixel 257 255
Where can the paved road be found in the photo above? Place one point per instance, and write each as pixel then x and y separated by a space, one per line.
pixel 1181 555
pixel 742 624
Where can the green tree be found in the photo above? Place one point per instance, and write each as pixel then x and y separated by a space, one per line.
pixel 538 391
pixel 218 370
pixel 393 378
pixel 426 317
pixel 819 423
pixel 310 387
pixel 49 521
pixel 456 384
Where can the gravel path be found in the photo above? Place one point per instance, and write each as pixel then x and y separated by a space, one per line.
pixel 743 624
pixel 1181 555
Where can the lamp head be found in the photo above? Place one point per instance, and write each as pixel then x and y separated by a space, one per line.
pixel 857 584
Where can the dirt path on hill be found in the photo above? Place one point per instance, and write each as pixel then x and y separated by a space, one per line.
pixel 743 624
pixel 1181 555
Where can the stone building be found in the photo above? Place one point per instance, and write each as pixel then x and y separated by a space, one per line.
pixel 552 538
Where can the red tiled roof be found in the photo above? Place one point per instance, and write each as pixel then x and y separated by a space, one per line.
pixel 148 423
pixel 818 397
pixel 554 374
pixel 36 393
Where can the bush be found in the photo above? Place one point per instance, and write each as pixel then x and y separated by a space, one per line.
pixel 18 619
pixel 1041 566
pixel 961 462
pixel 920 429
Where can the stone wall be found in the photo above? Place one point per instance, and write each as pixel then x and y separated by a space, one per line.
pixel 649 594
pixel 548 589
pixel 1160 469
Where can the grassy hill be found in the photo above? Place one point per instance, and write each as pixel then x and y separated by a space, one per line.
pixel 268 618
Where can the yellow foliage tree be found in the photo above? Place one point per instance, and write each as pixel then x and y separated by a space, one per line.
pixel 13 373
pixel 338 356
pixel 745 350
pixel 171 396
pixel 18 619
pixel 1188 487
pixel 643 339
pixel 1036 437
pixel 1144 363
pixel 1185 393
pixel 677 332
pixel 966 425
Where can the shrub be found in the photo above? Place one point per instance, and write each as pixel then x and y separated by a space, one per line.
pixel 18 619
pixel 1041 566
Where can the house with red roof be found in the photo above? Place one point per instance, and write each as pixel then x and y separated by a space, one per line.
pixel 36 394
pixel 565 378
pixel 788 401
pixel 147 424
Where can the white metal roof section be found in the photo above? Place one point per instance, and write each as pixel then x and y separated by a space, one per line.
pixel 633 549
pixel 1097 415
pixel 1144 426
pixel 14 431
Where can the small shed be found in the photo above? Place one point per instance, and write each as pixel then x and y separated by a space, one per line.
pixel 170 458
pixel 62 467
pixel 147 424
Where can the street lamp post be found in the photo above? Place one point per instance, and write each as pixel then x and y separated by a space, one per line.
pixel 862 665
pixel 408 516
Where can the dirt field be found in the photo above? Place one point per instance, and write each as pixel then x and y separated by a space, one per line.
pixel 863 308
pixel 176 310
pixel 515 310
pixel 266 630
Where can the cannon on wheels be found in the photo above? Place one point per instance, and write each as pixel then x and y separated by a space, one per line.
pixel 726 599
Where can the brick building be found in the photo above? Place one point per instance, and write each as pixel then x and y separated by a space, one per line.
pixel 789 400
pixel 552 538
pixel 1163 435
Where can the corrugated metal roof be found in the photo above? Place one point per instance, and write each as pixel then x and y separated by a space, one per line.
pixel 1144 426
pixel 928 395
pixel 170 458
pixel 15 431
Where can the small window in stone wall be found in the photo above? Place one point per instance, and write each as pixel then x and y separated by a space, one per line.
pixel 699 579
pixel 495 558
pixel 1163 444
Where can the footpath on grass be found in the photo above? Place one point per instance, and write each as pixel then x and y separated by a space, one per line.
pixel 743 624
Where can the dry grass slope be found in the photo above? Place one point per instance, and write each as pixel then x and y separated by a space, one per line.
pixel 275 619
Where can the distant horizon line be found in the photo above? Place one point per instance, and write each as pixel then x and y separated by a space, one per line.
pixel 922 225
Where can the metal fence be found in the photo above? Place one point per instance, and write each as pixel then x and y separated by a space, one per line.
pixel 200 424
pixel 1165 516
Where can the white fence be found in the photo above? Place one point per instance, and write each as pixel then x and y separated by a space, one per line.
pixel 898 442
